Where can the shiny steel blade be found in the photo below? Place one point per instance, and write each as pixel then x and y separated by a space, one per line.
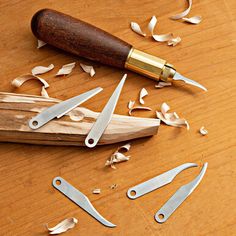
pixel 79 199
pixel 157 182
pixel 178 76
pixel 60 109
pixel 105 117
pixel 180 195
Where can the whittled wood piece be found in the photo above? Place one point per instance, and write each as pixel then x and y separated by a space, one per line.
pixel 17 109
pixel 80 38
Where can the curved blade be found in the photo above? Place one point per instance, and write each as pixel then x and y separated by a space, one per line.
pixel 180 195
pixel 80 199
pixel 105 117
pixel 60 109
pixel 178 76
pixel 157 182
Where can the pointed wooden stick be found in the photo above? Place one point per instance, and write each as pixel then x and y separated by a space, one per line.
pixel 17 109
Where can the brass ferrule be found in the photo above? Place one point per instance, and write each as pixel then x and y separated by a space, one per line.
pixel 148 65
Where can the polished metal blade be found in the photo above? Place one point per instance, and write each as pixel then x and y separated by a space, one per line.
pixel 178 76
pixel 180 195
pixel 157 182
pixel 60 109
pixel 79 199
pixel 105 117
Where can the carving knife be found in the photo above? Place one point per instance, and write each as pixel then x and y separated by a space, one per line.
pixel 85 40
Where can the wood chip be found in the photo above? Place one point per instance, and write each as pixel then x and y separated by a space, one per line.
pixel 171 119
pixel 142 94
pixel 88 69
pixel 63 226
pixel 162 84
pixel 117 156
pixel 174 41
pixel 136 28
pixel 19 81
pixel 40 43
pixel 191 20
pixel 38 70
pixel 203 131
pixel 66 69
pixel 97 191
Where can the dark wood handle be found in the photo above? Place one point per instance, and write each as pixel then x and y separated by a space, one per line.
pixel 79 38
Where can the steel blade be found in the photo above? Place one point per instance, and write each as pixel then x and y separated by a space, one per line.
pixel 60 109
pixel 178 198
pixel 178 76
pixel 105 117
pixel 157 182
pixel 79 199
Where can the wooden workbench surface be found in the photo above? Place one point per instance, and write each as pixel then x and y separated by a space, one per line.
pixel 206 54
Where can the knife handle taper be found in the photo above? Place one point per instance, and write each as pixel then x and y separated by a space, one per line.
pixel 79 38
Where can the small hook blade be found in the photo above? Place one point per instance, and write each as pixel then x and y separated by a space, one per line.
pixel 178 198
pixel 178 76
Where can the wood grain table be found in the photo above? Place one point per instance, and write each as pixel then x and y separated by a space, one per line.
pixel 206 54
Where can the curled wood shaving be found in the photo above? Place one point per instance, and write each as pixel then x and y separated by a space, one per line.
pixel 38 70
pixel 136 28
pixel 63 226
pixel 40 43
pixel 17 82
pixel 66 69
pixel 142 94
pixel 162 84
pixel 161 37
pixel 203 131
pixel 192 20
pixel 172 118
pixel 174 41
pixel 132 107
pixel 88 69
pixel 97 191
pixel 117 156
pixel 171 41
pixel 131 104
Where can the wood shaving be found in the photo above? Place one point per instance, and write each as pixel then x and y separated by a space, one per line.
pixel 66 69
pixel 171 119
pixel 162 84
pixel 174 41
pixel 192 20
pixel 136 28
pixel 117 156
pixel 38 70
pixel 203 131
pixel 19 81
pixel 161 37
pixel 131 104
pixel 63 226
pixel 88 69
pixel 132 107
pixel 40 43
pixel 142 94
pixel 97 191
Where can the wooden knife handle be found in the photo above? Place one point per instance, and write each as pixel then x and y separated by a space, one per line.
pixel 79 38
